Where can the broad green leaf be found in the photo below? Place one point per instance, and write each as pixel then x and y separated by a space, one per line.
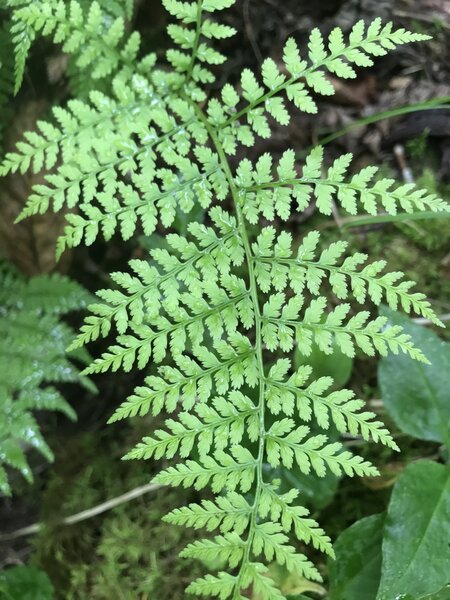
pixel 417 396
pixel 316 492
pixel 25 583
pixel 336 365
pixel 355 574
pixel 443 594
pixel 416 556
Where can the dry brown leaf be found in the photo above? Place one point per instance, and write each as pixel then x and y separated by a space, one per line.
pixel 354 93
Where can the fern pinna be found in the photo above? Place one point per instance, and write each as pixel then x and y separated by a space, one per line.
pixel 221 310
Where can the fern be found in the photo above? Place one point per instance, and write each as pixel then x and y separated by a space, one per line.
pixel 220 308
pixel 6 77
pixel 32 357
pixel 93 33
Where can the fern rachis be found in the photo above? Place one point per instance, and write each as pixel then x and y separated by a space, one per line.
pixel 221 306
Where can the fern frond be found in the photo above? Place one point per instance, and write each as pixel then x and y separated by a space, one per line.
pixel 230 512
pixel 22 37
pixel 192 61
pixel 222 424
pixel 280 508
pixel 211 253
pixel 213 310
pixel 234 470
pixel 304 76
pixel 268 197
pixel 85 128
pixel 32 355
pixel 270 541
pixel 228 548
pixel 193 380
pixel 284 444
pixel 281 325
pixel 285 394
pixel 98 41
pixel 276 265
pixel 220 586
pixel 143 202
pixel 43 294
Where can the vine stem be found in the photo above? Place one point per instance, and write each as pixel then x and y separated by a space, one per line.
pixel 258 346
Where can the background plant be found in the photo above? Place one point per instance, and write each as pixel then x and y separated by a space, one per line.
pixel 32 359
pixel 383 555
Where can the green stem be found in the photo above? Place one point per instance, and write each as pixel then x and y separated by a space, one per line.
pixel 258 348
pixel 198 27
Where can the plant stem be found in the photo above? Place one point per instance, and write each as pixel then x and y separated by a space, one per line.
pixel 258 348
pixel 198 27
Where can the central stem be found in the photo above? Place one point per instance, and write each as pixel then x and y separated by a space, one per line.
pixel 198 30
pixel 258 345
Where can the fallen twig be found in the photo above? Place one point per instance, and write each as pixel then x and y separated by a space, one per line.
pixel 88 513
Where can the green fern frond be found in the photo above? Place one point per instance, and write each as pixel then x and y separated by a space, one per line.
pixel 289 394
pixel 193 380
pixel 277 266
pixel 280 509
pixel 46 294
pixel 235 470
pixel 230 512
pixel 268 197
pixel 217 309
pixel 281 325
pixel 269 97
pixel 222 424
pixel 33 355
pixel 95 38
pixel 84 128
pixel 214 309
pixel 187 265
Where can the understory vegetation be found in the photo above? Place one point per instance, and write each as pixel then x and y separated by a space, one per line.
pixel 224 357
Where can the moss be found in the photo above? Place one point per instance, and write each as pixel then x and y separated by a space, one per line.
pixel 126 553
